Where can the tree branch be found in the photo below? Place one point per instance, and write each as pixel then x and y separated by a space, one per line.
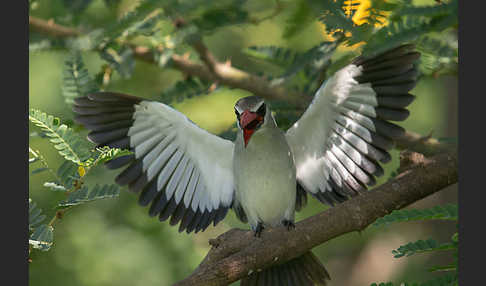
pixel 51 29
pixel 426 145
pixel 236 253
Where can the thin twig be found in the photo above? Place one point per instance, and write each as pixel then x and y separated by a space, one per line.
pixel 52 29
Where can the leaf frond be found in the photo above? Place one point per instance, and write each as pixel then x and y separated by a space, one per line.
pixel 69 144
pixel 82 195
pixel 446 212
pixel 76 80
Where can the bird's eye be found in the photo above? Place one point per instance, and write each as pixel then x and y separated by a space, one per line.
pixel 261 111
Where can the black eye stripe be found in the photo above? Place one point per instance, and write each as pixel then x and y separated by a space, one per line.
pixel 261 111
pixel 237 114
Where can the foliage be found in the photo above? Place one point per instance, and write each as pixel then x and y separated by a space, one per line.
pixel 97 192
pixel 185 89
pixel 447 212
pixel 69 144
pixel 76 79
pixel 79 157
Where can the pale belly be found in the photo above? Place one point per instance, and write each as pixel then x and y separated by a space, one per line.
pixel 265 179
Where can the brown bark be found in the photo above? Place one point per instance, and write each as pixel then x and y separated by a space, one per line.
pixel 51 29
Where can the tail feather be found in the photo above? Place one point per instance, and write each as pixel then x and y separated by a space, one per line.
pixel 305 270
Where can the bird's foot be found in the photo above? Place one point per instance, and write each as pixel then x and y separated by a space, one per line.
pixel 288 224
pixel 258 229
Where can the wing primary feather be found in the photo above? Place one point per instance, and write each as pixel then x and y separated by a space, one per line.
pixel 148 194
pixel 409 76
pixel 188 187
pixel 159 203
pixel 186 219
pixel 362 146
pixel 403 59
pixel 178 214
pixel 102 118
pixel 400 101
pixel 347 125
pixel 168 211
pixel 148 145
pixel 123 143
pixel 103 137
pixel 221 214
pixel 400 50
pixel 176 178
pixel 130 174
pixel 350 166
pixel 152 156
pixel 105 96
pixel 383 73
pixel 195 221
pixel 369 166
pixel 396 89
pixel 119 161
pixel 140 137
pixel 167 170
pixel 109 126
pixel 392 114
pixel 188 195
pixel 344 175
pixel 137 185
pixel 82 110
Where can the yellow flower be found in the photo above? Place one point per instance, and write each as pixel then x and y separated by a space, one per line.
pixel 362 13
pixel 81 171
pixel 361 16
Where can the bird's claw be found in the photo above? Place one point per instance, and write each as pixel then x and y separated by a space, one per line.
pixel 258 230
pixel 289 224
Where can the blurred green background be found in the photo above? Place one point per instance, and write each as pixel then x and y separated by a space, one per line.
pixel 115 242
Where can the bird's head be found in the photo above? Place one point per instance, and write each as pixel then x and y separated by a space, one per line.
pixel 250 114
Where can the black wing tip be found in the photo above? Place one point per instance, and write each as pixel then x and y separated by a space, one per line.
pixel 112 96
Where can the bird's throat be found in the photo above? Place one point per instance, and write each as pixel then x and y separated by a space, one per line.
pixel 247 135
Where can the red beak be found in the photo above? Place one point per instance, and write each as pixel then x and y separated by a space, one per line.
pixel 247 117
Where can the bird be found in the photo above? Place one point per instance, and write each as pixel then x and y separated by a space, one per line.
pixel 191 177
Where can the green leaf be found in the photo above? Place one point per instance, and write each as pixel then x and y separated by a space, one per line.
pixel 184 89
pixel 421 246
pixel 82 195
pixel 39 170
pixel 140 21
pixel 446 212
pixel 445 280
pixel 68 174
pixel 69 145
pixel 76 6
pixel 300 18
pixel 35 216
pixel 76 80
pixel 120 58
pixel 450 267
pixel 221 14
pixel 106 154
pixel 42 237
pixel 55 187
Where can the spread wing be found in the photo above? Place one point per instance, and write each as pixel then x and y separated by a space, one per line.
pixel 345 133
pixel 183 171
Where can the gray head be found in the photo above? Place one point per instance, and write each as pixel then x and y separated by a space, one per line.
pixel 250 113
